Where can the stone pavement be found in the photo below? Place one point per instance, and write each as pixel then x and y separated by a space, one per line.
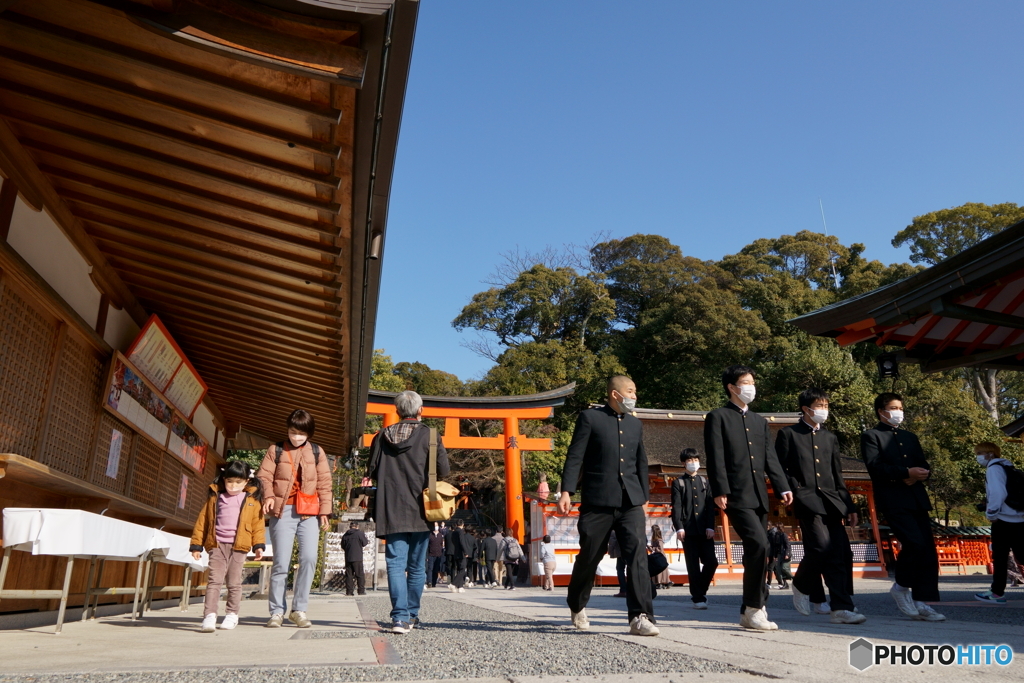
pixel 345 642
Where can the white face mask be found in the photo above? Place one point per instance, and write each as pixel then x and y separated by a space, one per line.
pixel 629 404
pixel 819 415
pixel 297 441
pixel 895 417
pixel 692 466
pixel 982 459
pixel 747 392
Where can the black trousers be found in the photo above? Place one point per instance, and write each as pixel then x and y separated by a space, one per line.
pixel 752 527
pixel 917 566
pixel 595 526
pixel 458 578
pixel 1006 536
pixel 354 575
pixel 487 571
pixel 827 556
pixel 699 550
pixel 435 566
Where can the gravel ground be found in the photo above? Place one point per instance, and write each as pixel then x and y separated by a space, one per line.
pixel 456 641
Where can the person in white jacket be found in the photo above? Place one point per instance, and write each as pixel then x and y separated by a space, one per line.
pixel 1007 522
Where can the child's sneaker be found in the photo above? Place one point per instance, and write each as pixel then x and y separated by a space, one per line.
pixel 229 622
pixel 209 623
pixel 989 596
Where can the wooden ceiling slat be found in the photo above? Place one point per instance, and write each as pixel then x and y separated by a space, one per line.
pixel 230 241
pixel 196 162
pixel 294 330
pixel 253 385
pixel 32 102
pixel 215 298
pixel 257 414
pixel 127 258
pixel 219 187
pixel 97 192
pixel 258 263
pixel 103 22
pixel 265 368
pixel 140 69
pixel 67 81
pixel 202 332
pixel 63 165
pixel 229 289
pixel 185 315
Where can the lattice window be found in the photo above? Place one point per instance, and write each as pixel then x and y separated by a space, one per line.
pixel 73 414
pixel 113 454
pixel 146 474
pixel 27 338
pixel 170 483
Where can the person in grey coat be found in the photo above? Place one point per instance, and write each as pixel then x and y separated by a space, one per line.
pixel 399 461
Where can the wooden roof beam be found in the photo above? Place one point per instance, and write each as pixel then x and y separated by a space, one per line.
pixel 978 315
pixel 43 37
pixel 325 360
pixel 29 103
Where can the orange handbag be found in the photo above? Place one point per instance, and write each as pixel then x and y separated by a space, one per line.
pixel 306 504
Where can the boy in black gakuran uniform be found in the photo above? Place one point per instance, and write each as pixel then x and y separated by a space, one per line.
pixel 693 517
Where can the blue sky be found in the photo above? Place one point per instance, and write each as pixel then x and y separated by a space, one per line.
pixel 716 123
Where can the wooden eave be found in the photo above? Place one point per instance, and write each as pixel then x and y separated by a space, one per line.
pixel 221 163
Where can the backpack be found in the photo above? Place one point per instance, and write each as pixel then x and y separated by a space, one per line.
pixel 1014 487
pixel 512 549
pixel 280 449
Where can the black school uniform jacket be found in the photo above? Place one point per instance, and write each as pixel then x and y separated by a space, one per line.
pixel 739 456
pixel 811 461
pixel 692 506
pixel 889 452
pixel 606 461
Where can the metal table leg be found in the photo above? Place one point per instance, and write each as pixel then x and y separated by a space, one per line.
pixel 88 588
pixel 96 597
pixel 186 594
pixel 64 593
pixel 3 569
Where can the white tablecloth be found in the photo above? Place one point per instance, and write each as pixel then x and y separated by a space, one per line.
pixel 67 533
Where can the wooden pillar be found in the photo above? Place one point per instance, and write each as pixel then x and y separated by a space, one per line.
pixel 874 526
pixel 514 518
pixel 8 195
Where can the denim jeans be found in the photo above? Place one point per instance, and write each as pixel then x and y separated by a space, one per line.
pixel 406 556
pixel 283 531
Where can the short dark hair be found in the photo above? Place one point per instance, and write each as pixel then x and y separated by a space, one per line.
pixel 732 375
pixel 615 382
pixel 353 525
pixel 688 454
pixel 809 396
pixel 884 399
pixel 460 523
pixel 547 539
pixel 302 420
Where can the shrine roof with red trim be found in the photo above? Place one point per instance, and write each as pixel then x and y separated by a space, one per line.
pixel 967 311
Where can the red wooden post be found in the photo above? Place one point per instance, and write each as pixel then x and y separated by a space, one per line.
pixel 514 518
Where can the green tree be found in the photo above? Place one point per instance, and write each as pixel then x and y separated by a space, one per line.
pixel 382 373
pixel 426 381
pixel 936 236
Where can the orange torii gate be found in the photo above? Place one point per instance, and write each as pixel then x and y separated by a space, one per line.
pixel 509 409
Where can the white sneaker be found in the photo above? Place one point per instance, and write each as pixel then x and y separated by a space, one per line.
pixel 903 600
pixel 452 588
pixel 801 602
pixel 300 619
pixel 756 618
pixel 228 622
pixel 641 625
pixel 275 621
pixel 462 590
pixel 845 616
pixel 820 608
pixel 579 619
pixel 700 605
pixel 209 624
pixel 926 613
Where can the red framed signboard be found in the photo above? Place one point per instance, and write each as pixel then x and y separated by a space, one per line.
pixel 160 360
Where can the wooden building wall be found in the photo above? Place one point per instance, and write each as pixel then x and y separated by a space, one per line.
pixel 54 367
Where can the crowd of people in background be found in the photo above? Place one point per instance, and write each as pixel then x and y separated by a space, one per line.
pixel 607 464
